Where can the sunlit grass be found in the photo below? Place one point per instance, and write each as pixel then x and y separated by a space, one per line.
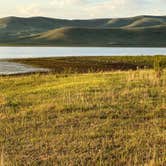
pixel 110 118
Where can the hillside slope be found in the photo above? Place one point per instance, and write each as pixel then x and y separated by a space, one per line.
pixel 100 37
pixel 137 31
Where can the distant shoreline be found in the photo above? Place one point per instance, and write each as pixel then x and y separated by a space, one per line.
pixel 113 46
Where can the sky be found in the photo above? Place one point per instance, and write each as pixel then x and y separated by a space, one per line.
pixel 82 9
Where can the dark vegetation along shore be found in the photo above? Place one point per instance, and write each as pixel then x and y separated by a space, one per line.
pixel 88 111
pixel 93 64
pixel 140 31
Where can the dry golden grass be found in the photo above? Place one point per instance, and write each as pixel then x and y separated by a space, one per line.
pixel 111 118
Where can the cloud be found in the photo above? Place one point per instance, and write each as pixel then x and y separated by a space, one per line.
pixel 30 10
pixel 120 8
pixel 88 9
pixel 63 3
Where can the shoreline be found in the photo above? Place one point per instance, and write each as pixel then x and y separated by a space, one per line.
pixel 93 46
pixel 85 64
pixel 14 68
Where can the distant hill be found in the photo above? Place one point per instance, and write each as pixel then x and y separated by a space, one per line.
pixel 132 31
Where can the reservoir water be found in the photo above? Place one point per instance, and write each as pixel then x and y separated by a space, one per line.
pixel 32 52
pixel 9 68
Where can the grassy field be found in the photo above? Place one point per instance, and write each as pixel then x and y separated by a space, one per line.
pixel 105 118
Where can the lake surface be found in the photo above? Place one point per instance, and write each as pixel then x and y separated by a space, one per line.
pixel 9 68
pixel 32 52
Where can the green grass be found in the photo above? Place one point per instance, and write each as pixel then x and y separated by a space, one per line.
pixel 106 118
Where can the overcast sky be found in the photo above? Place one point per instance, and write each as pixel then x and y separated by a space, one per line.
pixel 82 9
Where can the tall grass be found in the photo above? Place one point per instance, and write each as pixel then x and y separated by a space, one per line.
pixel 157 66
pixel 2 158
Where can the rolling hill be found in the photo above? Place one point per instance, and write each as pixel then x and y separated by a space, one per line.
pixel 132 31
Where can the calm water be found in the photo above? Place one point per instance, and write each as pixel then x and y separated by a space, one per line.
pixel 31 52
pixel 9 68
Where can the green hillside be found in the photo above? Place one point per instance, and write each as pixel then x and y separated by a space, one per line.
pixel 132 31
pixel 100 37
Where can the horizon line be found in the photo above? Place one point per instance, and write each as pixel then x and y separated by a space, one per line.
pixel 95 18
